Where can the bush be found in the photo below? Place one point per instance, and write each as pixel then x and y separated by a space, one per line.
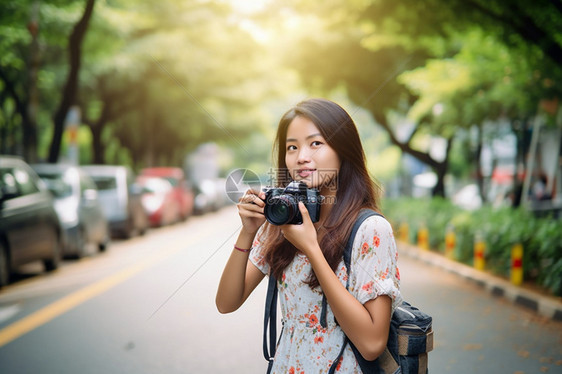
pixel 500 228
pixel 548 241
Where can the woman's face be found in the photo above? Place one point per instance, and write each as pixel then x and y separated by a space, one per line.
pixel 309 158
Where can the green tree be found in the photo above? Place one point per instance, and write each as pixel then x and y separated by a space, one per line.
pixel 178 75
pixel 20 47
pixel 70 90
pixel 152 80
pixel 33 34
pixel 365 46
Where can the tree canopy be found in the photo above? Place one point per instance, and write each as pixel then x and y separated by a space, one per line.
pixel 443 65
pixel 155 79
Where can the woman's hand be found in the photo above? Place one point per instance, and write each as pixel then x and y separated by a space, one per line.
pixel 250 209
pixel 302 236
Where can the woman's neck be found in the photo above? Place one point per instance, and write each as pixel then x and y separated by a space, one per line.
pixel 328 202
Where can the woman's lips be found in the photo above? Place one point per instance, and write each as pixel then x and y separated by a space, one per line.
pixel 303 173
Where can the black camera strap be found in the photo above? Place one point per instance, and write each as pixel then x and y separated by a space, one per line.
pixel 270 318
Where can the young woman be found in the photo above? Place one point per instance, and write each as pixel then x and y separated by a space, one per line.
pixel 317 143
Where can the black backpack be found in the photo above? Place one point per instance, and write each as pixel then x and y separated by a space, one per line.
pixel 410 336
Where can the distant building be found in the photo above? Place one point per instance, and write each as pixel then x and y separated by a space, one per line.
pixel 203 164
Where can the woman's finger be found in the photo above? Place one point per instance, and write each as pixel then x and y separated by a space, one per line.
pixel 304 213
pixel 252 199
pixel 250 208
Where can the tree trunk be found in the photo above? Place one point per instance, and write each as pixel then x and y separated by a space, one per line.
pixel 477 156
pixel 98 150
pixel 71 88
pixel 440 168
pixel 29 123
pixel 522 146
pixel 21 107
pixel 96 128
pixel 441 171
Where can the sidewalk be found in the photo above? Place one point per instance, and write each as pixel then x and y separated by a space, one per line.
pixel 546 306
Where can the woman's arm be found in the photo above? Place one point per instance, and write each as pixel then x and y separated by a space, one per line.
pixel 240 277
pixel 366 325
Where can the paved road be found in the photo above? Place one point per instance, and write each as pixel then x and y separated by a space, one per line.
pixel 477 332
pixel 147 306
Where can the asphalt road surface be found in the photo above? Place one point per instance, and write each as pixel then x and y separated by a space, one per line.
pixel 147 306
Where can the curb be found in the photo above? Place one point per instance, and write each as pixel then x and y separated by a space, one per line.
pixel 543 305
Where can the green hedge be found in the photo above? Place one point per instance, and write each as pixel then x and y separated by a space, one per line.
pixel 500 228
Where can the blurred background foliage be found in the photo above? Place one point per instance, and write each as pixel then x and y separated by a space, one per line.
pixel 155 79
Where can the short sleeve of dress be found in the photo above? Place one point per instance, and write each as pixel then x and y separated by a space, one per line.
pixel 257 255
pixel 374 262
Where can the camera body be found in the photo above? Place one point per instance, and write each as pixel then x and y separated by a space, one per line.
pixel 282 204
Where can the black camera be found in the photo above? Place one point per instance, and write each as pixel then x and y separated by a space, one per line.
pixel 282 204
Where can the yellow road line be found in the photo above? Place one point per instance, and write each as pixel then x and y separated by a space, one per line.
pixel 51 311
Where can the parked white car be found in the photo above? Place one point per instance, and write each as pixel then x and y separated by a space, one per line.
pixel 121 199
pixel 78 207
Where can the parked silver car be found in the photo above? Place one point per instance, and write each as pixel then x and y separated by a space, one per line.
pixel 121 199
pixel 30 229
pixel 77 204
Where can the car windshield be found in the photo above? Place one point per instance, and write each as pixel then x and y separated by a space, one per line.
pixel 155 185
pixel 105 182
pixel 173 181
pixel 56 184
pixel 8 181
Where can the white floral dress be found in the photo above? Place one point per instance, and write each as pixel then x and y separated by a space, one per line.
pixel 305 347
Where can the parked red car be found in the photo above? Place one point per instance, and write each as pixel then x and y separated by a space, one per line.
pixel 182 191
pixel 159 201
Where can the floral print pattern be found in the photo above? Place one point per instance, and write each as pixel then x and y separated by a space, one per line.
pixel 305 347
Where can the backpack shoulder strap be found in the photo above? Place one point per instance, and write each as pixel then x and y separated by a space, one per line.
pixel 361 217
pixel 369 365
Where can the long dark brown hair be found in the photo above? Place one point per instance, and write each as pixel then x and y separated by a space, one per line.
pixel 356 189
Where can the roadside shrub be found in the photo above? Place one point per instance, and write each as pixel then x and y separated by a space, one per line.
pixel 463 224
pixel 548 241
pixel 500 228
pixel 504 228
pixel 440 213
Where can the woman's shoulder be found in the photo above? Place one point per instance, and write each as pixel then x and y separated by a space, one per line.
pixel 376 222
pixel 373 232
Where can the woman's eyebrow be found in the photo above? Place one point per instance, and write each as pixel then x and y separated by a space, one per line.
pixel 308 137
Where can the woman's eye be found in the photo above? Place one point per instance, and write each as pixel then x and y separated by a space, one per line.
pixel 291 148
pixel 316 143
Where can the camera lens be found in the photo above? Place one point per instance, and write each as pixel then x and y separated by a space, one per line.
pixel 280 210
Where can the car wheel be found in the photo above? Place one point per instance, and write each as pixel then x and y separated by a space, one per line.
pixel 5 271
pixel 81 244
pixel 129 230
pixel 143 224
pixel 102 246
pixel 53 262
pixel 142 230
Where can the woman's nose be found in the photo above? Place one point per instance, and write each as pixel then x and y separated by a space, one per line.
pixel 304 156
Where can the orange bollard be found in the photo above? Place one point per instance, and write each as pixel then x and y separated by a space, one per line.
pixel 404 228
pixel 450 242
pixel 423 238
pixel 479 253
pixel 517 264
